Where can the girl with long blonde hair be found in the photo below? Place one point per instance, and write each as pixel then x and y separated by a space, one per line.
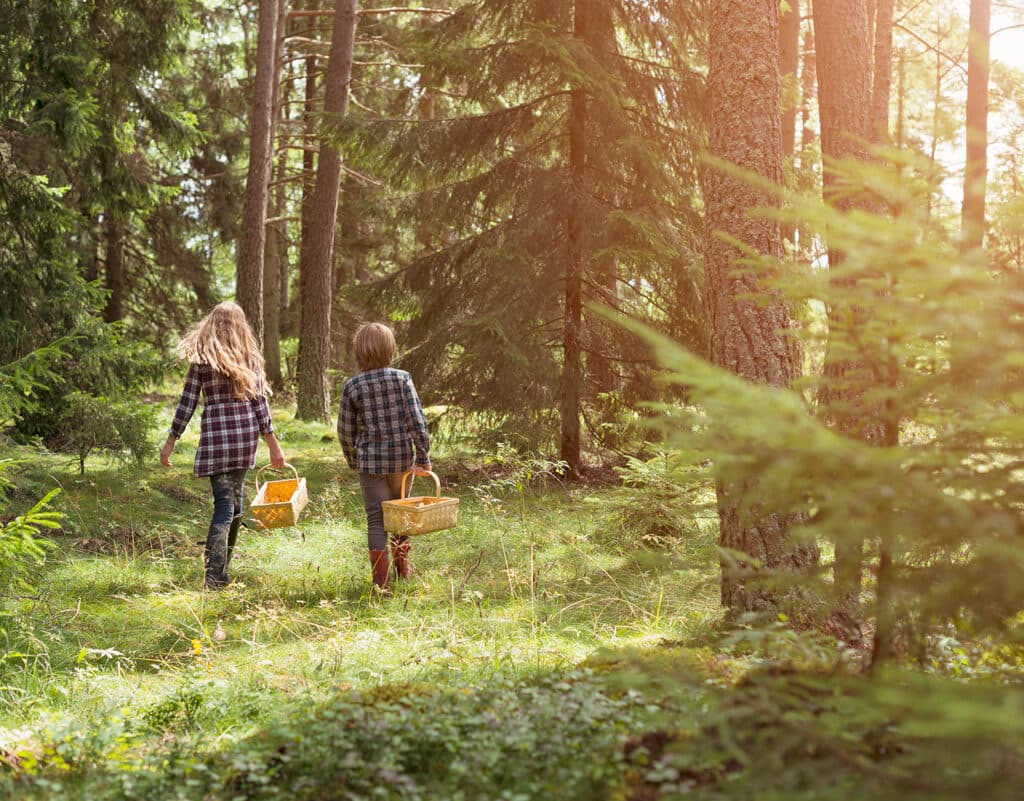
pixel 226 371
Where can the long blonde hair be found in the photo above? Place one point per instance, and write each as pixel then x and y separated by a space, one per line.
pixel 224 341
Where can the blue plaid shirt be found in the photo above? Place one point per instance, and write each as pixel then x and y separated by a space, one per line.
pixel 381 423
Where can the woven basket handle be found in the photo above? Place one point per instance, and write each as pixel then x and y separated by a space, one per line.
pixel 271 467
pixel 410 473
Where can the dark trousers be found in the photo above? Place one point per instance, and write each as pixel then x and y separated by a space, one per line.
pixel 227 517
pixel 375 490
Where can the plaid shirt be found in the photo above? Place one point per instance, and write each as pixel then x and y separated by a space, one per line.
pixel 381 422
pixel 230 428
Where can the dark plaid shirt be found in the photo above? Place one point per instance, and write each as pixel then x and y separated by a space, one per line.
pixel 230 428
pixel 381 423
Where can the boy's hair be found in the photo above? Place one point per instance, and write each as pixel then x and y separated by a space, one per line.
pixel 374 345
pixel 224 341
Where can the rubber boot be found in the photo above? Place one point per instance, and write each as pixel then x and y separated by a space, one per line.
pixel 400 554
pixel 236 522
pixel 215 556
pixel 380 567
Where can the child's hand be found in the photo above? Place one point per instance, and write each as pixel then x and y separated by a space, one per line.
pixel 165 452
pixel 422 470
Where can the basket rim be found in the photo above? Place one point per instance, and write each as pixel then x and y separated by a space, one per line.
pixel 406 503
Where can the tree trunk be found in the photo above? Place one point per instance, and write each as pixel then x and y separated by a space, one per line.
pixel 249 285
pixel 789 63
pixel 976 168
pixel 309 140
pixel 843 46
pixel 572 369
pixel 600 370
pixel 881 84
pixel 316 273
pixel 744 106
pixel 114 273
pixel 275 254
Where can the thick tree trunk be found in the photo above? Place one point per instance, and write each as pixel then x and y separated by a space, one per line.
pixel 881 84
pixel 275 254
pixel 249 291
pixel 114 272
pixel 976 169
pixel 572 369
pixel 844 64
pixel 747 337
pixel 315 277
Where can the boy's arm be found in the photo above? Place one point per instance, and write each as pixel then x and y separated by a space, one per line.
pixel 347 416
pixel 417 425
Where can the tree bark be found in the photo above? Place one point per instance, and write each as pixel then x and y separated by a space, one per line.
pixel 789 63
pixel 114 272
pixel 747 337
pixel 572 368
pixel 600 370
pixel 881 84
pixel 249 284
pixel 844 64
pixel 275 258
pixel 976 168
pixel 315 277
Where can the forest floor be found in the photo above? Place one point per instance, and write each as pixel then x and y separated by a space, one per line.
pixel 121 654
pixel 541 652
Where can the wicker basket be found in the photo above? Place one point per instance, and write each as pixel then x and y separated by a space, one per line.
pixel 279 503
pixel 422 514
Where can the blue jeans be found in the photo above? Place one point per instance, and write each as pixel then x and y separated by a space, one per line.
pixel 223 533
pixel 376 489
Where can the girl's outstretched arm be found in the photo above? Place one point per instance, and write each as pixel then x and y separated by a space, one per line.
pixel 186 408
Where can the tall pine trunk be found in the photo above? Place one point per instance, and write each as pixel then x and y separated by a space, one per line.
pixel 316 266
pixel 881 83
pixel 572 369
pixel 976 168
pixel 249 284
pixel 789 64
pixel 747 337
pixel 275 254
pixel 844 64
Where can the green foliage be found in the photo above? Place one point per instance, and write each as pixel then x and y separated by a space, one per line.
pixel 93 423
pixel 929 342
pixel 662 501
pixel 784 735
pixel 94 404
pixel 22 551
pixel 482 156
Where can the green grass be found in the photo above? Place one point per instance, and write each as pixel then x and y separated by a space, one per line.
pixel 534 580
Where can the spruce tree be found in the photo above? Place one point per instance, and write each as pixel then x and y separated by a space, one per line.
pixel 555 168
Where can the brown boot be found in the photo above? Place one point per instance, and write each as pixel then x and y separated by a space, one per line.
pixel 400 554
pixel 381 568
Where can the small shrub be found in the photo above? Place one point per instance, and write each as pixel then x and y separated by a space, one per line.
pixel 92 423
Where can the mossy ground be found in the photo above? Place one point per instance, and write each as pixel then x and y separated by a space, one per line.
pixel 534 581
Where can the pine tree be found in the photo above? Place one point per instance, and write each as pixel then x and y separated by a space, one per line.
pixel 317 261
pixel 748 337
pixel 249 283
pixel 533 207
